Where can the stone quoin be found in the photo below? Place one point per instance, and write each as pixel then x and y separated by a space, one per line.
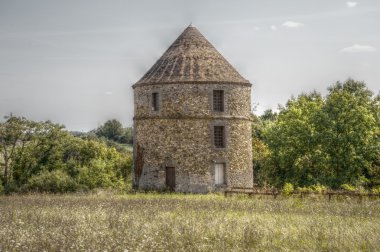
pixel 192 121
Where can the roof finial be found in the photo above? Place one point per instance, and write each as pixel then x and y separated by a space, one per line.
pixel 191 24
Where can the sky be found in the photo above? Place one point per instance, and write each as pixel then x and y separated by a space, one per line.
pixel 74 61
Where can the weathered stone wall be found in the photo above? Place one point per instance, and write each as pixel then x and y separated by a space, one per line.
pixel 180 135
pixel 192 100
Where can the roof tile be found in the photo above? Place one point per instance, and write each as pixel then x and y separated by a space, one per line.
pixel 191 58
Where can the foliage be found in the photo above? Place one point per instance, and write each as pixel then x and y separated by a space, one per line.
pixel 376 190
pixel 350 126
pixel 287 189
pixel 261 153
pixel 14 132
pixel 317 188
pixel 304 189
pixel 56 181
pixel 260 158
pixel 269 115
pixel 330 140
pixel 348 187
pixel 113 130
pixel 43 151
pixel 127 136
pixel 293 142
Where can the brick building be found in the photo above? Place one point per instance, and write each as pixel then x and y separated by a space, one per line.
pixel 192 128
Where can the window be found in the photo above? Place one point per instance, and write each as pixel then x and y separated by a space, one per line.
pixel 218 100
pixel 219 173
pixel 155 103
pixel 219 136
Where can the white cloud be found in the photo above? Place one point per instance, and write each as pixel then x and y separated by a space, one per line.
pixel 351 4
pixel 359 48
pixel 292 24
pixel 108 93
pixel 273 28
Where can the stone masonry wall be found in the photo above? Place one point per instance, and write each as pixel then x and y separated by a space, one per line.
pixel 180 135
pixel 192 100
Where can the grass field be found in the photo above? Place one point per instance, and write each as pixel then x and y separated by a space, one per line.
pixel 164 222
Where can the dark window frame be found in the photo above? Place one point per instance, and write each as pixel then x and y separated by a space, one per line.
pixel 218 100
pixel 155 101
pixel 219 136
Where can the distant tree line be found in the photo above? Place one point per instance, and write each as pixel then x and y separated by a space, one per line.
pixel 43 156
pixel 113 130
pixel 314 140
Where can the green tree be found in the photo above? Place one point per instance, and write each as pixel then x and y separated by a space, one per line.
pixel 43 156
pixel 15 132
pixel 269 115
pixel 293 141
pixel 127 136
pixel 332 141
pixel 112 130
pixel 261 154
pixel 350 126
pixel 41 152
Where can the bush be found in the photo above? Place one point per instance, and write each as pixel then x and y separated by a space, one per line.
pixel 56 181
pixel 11 187
pixel 362 182
pixel 348 187
pixel 99 174
pixel 318 188
pixel 376 190
pixel 288 188
pixel 304 189
pixel 61 162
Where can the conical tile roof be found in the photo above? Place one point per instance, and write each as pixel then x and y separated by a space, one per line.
pixel 192 59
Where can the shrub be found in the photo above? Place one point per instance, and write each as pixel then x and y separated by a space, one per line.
pixel 288 188
pixel 99 174
pixel 362 181
pixel 11 187
pixel 56 181
pixel 318 188
pixel 376 190
pixel 124 166
pixel 348 187
pixel 304 189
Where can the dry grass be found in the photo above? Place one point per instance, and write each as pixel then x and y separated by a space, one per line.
pixel 156 222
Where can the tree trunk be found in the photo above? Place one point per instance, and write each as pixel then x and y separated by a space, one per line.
pixel 6 165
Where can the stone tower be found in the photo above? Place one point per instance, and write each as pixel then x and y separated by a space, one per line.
pixel 192 127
